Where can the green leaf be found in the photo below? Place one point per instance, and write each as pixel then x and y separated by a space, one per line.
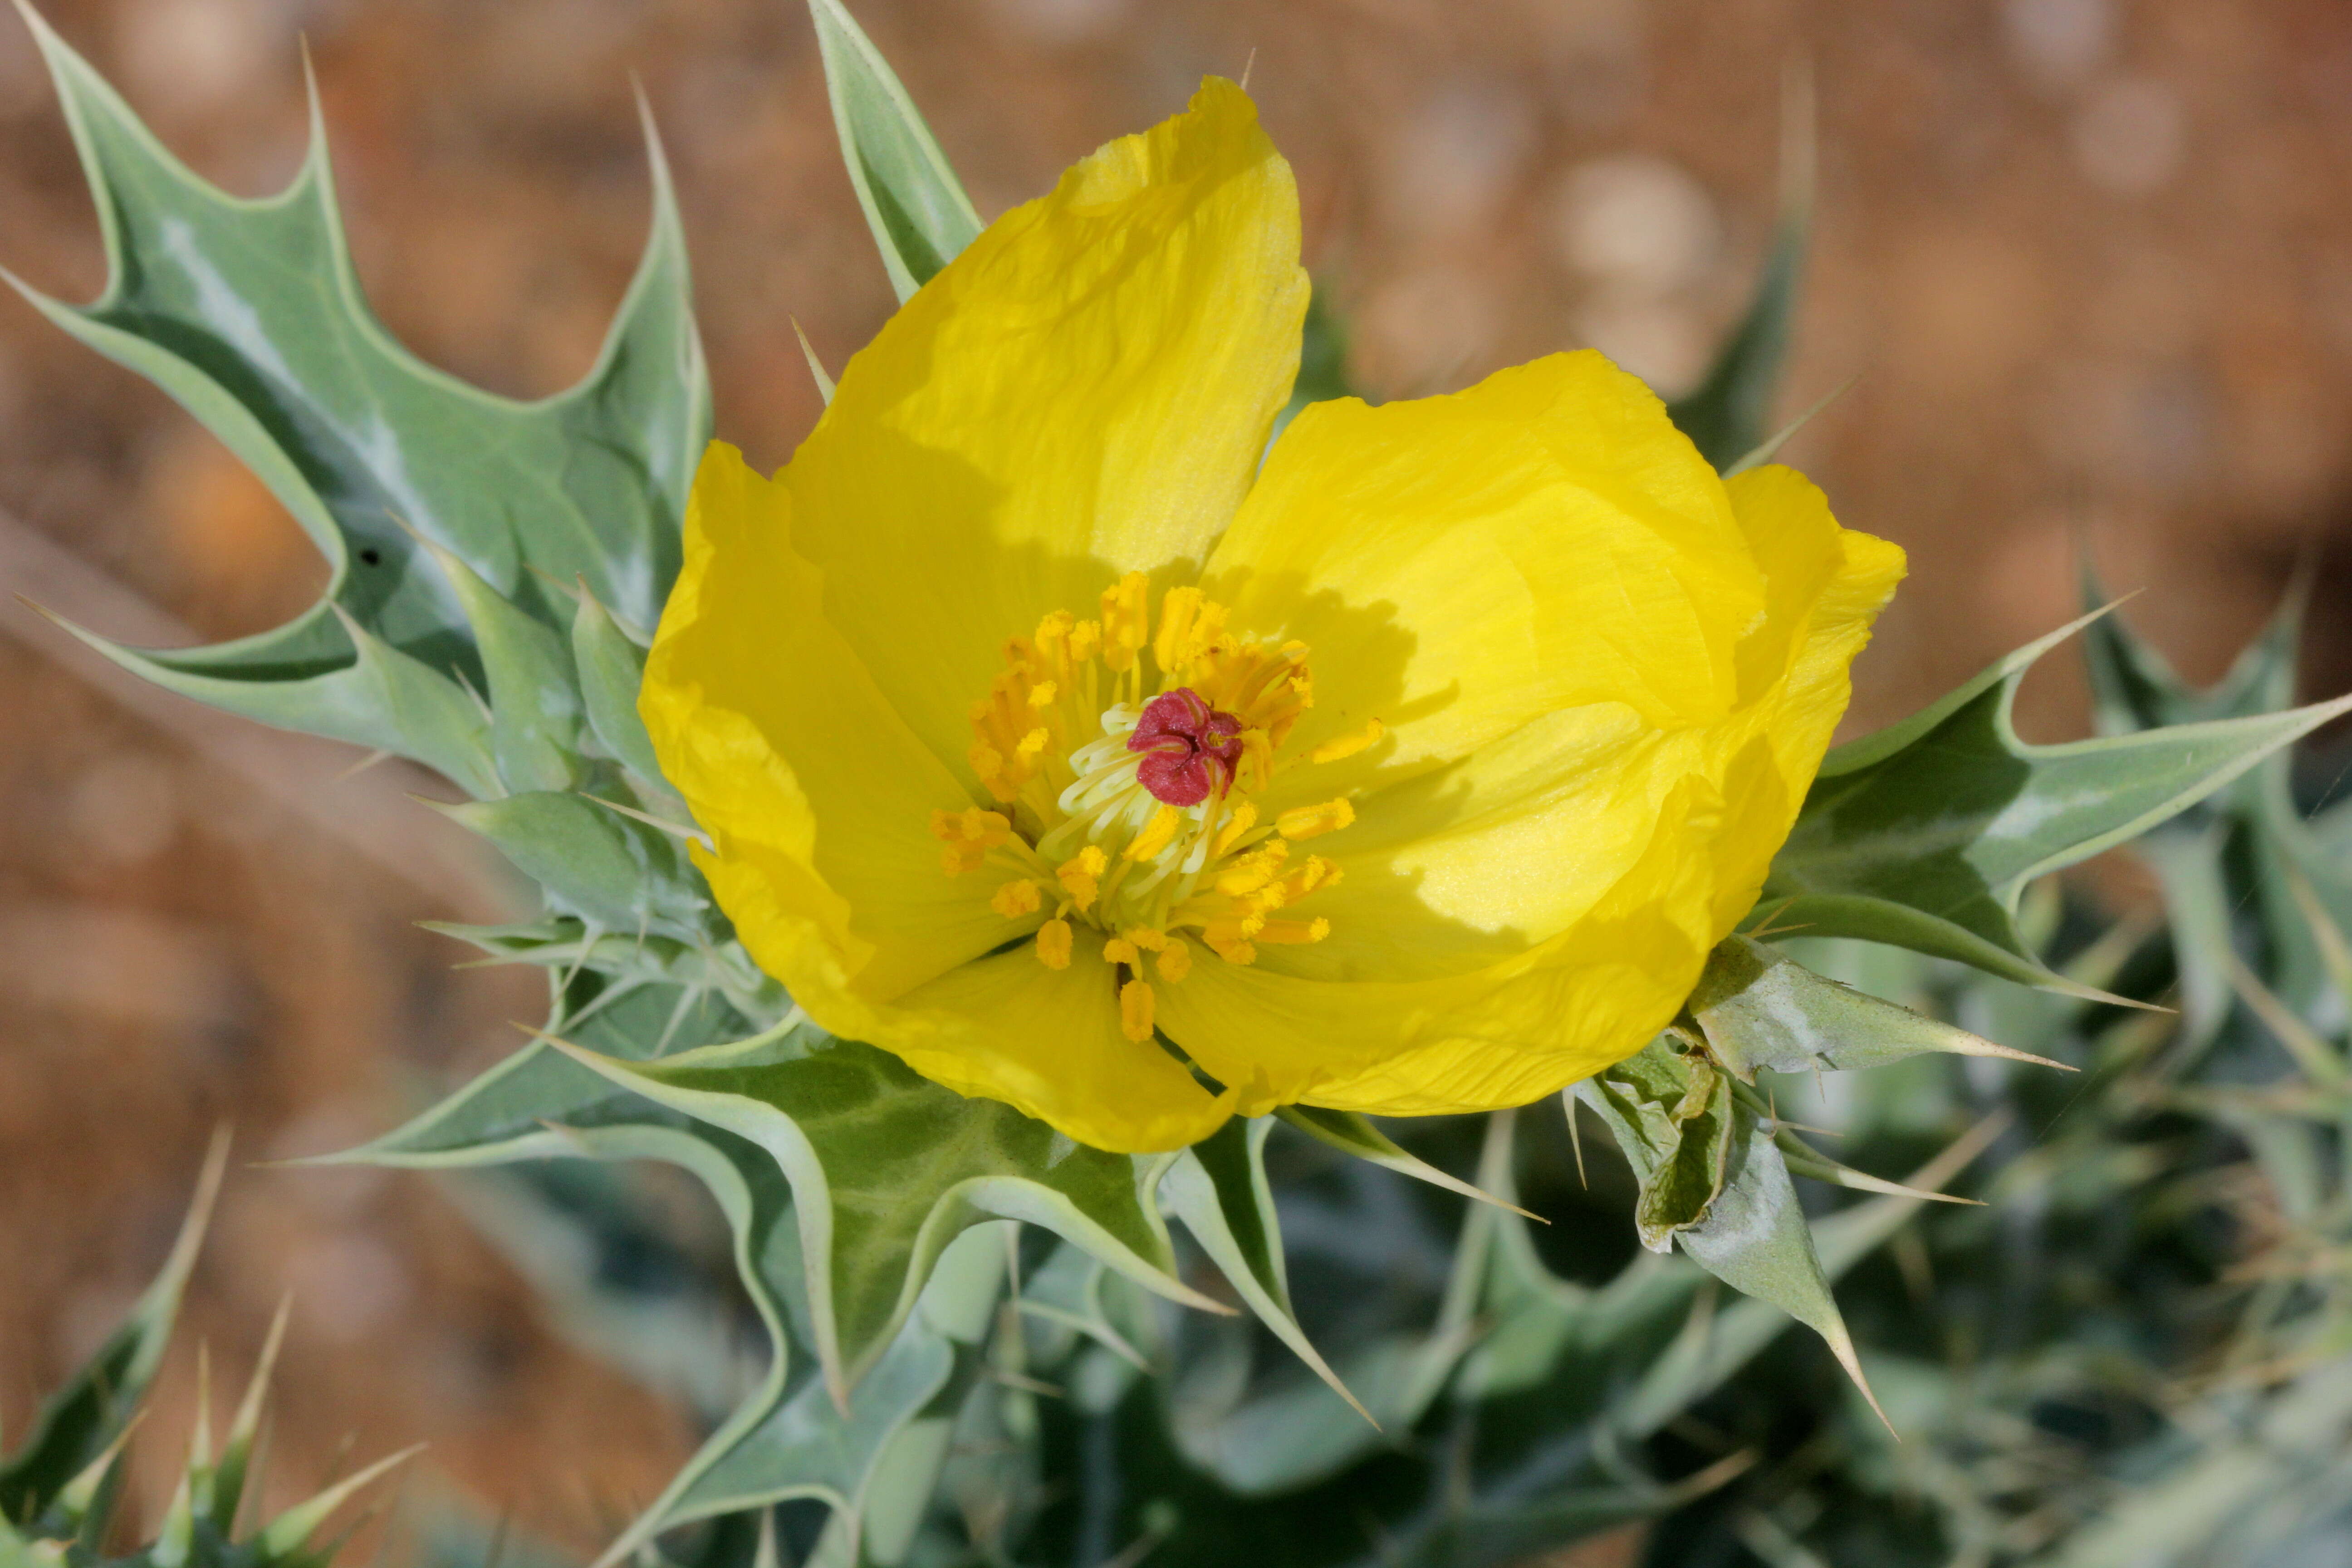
pixel 1714 1182
pixel 610 870
pixel 1925 834
pixel 1727 416
pixel 250 314
pixel 1219 1189
pixel 1761 1010
pixel 378 696
pixel 1351 1133
pixel 83 1420
pixel 1672 1114
pixel 612 667
pixel 534 691
pixel 791 1438
pixel 1295 1434
pixel 914 204
pixel 505 1113
pixel 2134 687
pixel 888 1168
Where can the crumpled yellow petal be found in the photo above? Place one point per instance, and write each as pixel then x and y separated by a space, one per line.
pixel 1592 773
pixel 814 791
pixel 1466 563
pixel 1084 391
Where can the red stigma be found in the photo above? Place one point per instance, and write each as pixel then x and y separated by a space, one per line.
pixel 1189 749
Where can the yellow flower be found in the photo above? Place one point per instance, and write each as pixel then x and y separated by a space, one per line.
pixel 1049 742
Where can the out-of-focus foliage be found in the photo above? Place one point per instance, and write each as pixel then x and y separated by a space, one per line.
pixel 61 1494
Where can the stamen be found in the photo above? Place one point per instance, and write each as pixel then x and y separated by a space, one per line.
pixel 1016 899
pixel 1245 818
pixel 1054 944
pixel 1175 962
pixel 1308 821
pixel 968 836
pixel 1144 937
pixel 1135 1010
pixel 1154 838
pixel 1082 875
pixel 1294 932
pixel 1233 950
pixel 1119 950
pixel 1126 619
pixel 1254 870
pixel 1349 744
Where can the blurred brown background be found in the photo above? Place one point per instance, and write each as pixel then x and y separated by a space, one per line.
pixel 2092 260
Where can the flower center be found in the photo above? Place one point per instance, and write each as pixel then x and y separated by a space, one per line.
pixel 1129 816
pixel 1189 750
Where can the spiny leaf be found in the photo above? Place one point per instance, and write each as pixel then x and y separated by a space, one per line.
pixel 505 1112
pixel 1761 1010
pixel 788 1437
pixel 2134 687
pixel 593 862
pixel 1683 1132
pixel 82 1421
pixel 1218 1188
pixel 914 204
pixel 250 315
pixel 236 1451
pixel 1925 834
pixel 1351 1133
pixel 887 1167
pixel 1292 1434
pixel 612 667
pixel 625 961
pixel 291 1531
pixel 534 689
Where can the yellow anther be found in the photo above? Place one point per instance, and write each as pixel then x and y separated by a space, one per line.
pixel 1054 944
pixel 1233 950
pixel 1086 641
pixel 1016 899
pixel 1042 695
pixel 1257 759
pixel 989 763
pixel 1190 626
pixel 1146 938
pixel 1245 818
pixel 1349 744
pixel 1175 962
pixel 1156 834
pixel 1135 1009
pixel 1126 620
pixel 968 836
pixel 1306 821
pixel 1119 950
pixel 1293 932
pixel 1254 870
pixel 1317 872
pixel 1082 875
pixel 1034 742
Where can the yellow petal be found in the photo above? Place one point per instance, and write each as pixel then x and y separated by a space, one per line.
pixel 1517 918
pixel 812 786
pixel 1506 1035
pixel 1051 1043
pixel 1084 391
pixel 1464 564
